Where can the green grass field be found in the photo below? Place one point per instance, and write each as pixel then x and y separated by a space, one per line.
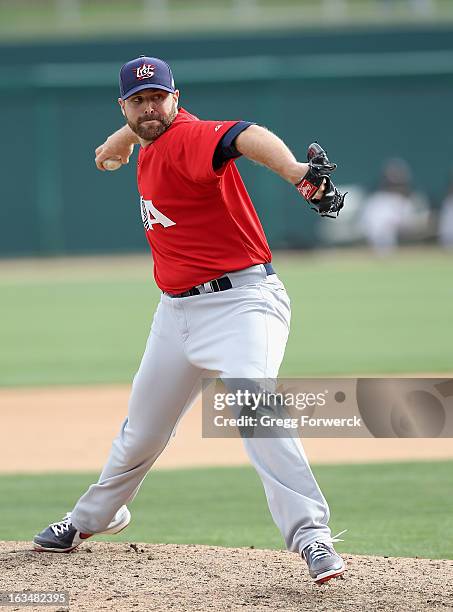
pixel 87 320
pixel 395 509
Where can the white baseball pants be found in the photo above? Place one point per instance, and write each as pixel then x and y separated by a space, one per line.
pixel 238 333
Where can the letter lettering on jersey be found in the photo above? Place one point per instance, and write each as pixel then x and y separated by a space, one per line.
pixel 151 215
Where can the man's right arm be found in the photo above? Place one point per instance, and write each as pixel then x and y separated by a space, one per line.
pixel 119 145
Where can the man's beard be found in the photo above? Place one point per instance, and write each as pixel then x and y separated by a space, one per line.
pixel 152 131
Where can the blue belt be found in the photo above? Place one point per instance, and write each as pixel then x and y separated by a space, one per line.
pixel 218 284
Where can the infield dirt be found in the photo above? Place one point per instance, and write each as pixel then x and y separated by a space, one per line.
pixel 162 577
pixel 94 415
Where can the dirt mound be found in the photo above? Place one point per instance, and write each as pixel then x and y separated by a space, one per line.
pixel 161 577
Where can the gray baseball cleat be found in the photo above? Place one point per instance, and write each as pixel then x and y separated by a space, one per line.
pixel 322 560
pixel 64 537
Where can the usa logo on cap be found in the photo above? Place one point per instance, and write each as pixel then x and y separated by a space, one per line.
pixel 146 71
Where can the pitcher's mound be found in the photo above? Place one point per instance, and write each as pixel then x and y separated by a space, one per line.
pixel 168 577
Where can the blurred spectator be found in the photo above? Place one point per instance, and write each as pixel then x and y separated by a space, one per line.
pixel 395 209
pixel 446 218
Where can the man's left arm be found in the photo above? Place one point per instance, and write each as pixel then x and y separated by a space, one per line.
pixel 312 180
pixel 262 146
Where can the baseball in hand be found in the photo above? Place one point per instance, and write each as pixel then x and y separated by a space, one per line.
pixel 112 164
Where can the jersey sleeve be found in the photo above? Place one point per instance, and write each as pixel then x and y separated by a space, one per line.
pixel 226 148
pixel 197 146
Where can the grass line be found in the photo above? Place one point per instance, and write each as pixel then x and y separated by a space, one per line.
pixel 395 509
pixel 352 315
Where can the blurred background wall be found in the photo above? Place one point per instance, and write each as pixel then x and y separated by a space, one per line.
pixel 370 80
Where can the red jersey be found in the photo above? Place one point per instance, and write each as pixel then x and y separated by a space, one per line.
pixel 200 222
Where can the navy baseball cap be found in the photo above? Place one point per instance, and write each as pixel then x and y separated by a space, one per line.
pixel 145 73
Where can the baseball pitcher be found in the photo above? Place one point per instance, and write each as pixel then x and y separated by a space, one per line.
pixel 223 310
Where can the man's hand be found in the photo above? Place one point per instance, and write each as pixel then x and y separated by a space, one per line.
pixel 317 187
pixel 119 145
pixel 320 193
